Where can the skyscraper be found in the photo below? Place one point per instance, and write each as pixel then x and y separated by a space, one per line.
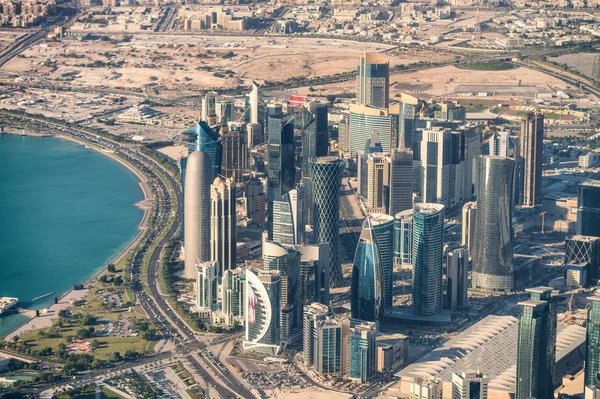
pixel 224 111
pixel 592 353
pixel 376 165
pixel 457 279
pixel 327 179
pixel 234 292
pixel 363 120
pixel 208 142
pixel 492 242
pixel 373 81
pixel 206 285
pixel 256 201
pixel 469 215
pixel 363 352
pixel 409 109
pixel 182 172
pixel 315 143
pixel 254 103
pixel 208 106
pixel 263 310
pixel 400 180
pixel 223 224
pixel 403 236
pixel 328 347
pixel 588 208
pixel 281 171
pixel 373 147
pixel 383 229
pixel 235 152
pixel 426 388
pixel 532 154
pixel 197 211
pixel 469 385
pixel 314 273
pixel 366 291
pixel 535 348
pixel 427 252
pixel 287 262
pixel 435 166
pixel 287 227
pixel 313 314
pixel 500 143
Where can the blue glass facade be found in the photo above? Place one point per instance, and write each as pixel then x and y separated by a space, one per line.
pixel 366 291
pixel 383 230
pixel 592 356
pixel 207 140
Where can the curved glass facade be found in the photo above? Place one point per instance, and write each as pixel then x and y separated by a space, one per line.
pixel 208 141
pixel 427 252
pixel 403 238
pixel 492 241
pixel 327 179
pixel 383 229
pixel 366 291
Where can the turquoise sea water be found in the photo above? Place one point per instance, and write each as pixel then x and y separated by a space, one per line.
pixel 65 211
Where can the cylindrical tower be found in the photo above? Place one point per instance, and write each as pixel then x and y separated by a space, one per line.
pixel 383 229
pixel 366 292
pixel 427 252
pixel 492 241
pixel 198 178
pixel 327 179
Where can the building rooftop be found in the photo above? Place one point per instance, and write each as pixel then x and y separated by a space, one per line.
pixel 428 209
pixel 379 218
pixel 490 347
pixel 591 182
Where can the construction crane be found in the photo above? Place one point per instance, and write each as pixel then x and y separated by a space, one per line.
pixel 570 311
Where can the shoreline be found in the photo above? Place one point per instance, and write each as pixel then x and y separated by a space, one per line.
pixel 143 205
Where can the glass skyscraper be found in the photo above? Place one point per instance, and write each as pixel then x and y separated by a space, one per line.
pixel 373 81
pixel 287 227
pixel 588 208
pixel 327 179
pixel 427 252
pixel 207 140
pixel 492 242
pixel 366 290
pixel 363 352
pixel 536 346
pixel 592 355
pixel 403 227
pixel 365 120
pixel 383 229
pixel 281 171
pixel 532 158
pixel 263 311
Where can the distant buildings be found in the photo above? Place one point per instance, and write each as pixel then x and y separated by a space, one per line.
pixel 326 174
pixel 532 158
pixel 373 81
pixel 197 211
pixel 492 242
pixel 366 292
pixel 588 211
pixel 427 252
pixel 592 355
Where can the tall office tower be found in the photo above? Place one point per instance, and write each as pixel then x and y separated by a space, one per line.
pixel 197 211
pixel 224 111
pixel 435 166
pixel 583 253
pixel 233 294
pixel 182 171
pixel 383 229
pixel 327 179
pixel 500 143
pixel 469 216
pixel 314 273
pixel 469 385
pixel 254 103
pixel 376 164
pixel 427 252
pixel 223 224
pixel 588 208
pixel 457 279
pixel 403 236
pixel 465 146
pixel 208 106
pixel 363 352
pixel 287 227
pixel 409 109
pixel 313 313
pixel 373 81
pixel 263 311
pixel 328 347
pixel 449 111
pixel 400 180
pixel 207 279
pixel 235 152
pixel 281 171
pixel 256 201
pixel 592 343
pixel 426 388
pixel 315 143
pixel 532 158
pixel 208 142
pixel 286 261
pixel 373 147
pixel 344 133
pixel 366 291
pixel 255 134
pixel 364 120
pixel 545 294
pixel 533 364
pixel 492 243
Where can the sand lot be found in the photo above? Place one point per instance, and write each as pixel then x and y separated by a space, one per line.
pixel 190 63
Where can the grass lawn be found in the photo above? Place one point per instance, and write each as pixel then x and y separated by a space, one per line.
pixel 495 65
